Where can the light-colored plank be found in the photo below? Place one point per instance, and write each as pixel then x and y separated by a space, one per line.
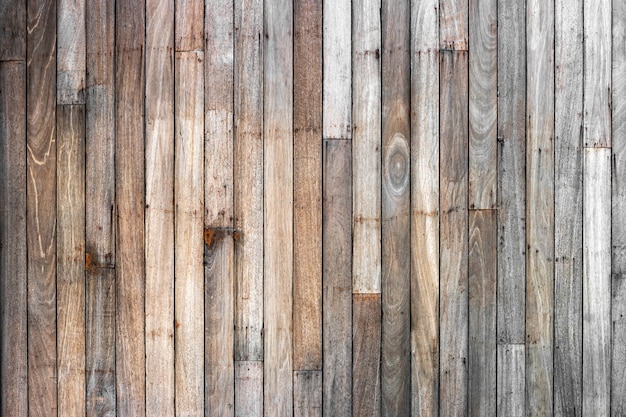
pixel 366 148
pixel 13 261
pixel 337 69
pixel 41 203
pixel 189 25
pixel 71 52
pixel 71 260
pixel 453 232
pixel 366 336
pixel 307 388
pixel 597 282
pixel 188 233
pixel 337 228
pixel 483 110
pixel 248 388
pixel 482 313
pixel 248 176
pixel 307 235
pixel 278 208
pixel 453 25
pixel 13 31
pixel 511 376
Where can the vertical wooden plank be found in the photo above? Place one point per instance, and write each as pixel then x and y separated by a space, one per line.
pixel 568 103
pixel 366 137
pixel 337 69
pixel 248 177
pixel 71 259
pixel 366 334
pixel 71 52
pixel 425 208
pixel 540 207
pixel 159 212
pixel 13 31
pixel 307 237
pixel 189 25
pixel 511 371
pixel 597 282
pixel 337 228
pixel 453 25
pixel 278 208
pixel 453 233
pixel 13 261
pixel 482 313
pixel 189 242
pixel 248 396
pixel 307 389
pixel 41 203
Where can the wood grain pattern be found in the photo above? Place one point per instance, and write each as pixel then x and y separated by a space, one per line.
pixel 337 244
pixel 511 380
pixel 366 145
pixel 307 388
pixel 453 233
pixel 366 336
pixel 71 52
pixel 13 261
pixel 307 234
pixel 248 388
pixel 453 25
pixel 596 391
pixel 13 31
pixel 189 25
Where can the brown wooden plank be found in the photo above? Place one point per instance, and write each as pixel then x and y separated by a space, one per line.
pixel 511 377
pixel 41 200
pixel 71 52
pixel 366 336
pixel 307 389
pixel 71 260
pixel 453 25
pixel 482 313
pixel 13 261
pixel 307 235
pixel 189 25
pixel 453 232
pixel 337 228
pixel 13 30
pixel 248 388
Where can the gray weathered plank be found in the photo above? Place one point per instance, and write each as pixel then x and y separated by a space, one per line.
pixel 366 334
pixel 248 388
pixel 71 52
pixel 453 25
pixel 13 30
pixel 511 377
pixel 307 389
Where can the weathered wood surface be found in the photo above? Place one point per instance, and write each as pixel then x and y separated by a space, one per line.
pixel 366 334
pixel 249 388
pixel 511 380
pixel 71 52
pixel 307 389
pixel 13 31
pixel 453 25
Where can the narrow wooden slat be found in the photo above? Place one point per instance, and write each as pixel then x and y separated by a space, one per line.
pixel 248 396
pixel 597 282
pixel 483 110
pixel 307 388
pixel 568 104
pixel 188 232
pixel 453 25
pixel 482 313
pixel 71 259
pixel 425 208
pixel 218 211
pixel 13 32
pixel 307 235
pixel 13 261
pixel 453 232
pixel 511 377
pixel 248 176
pixel 337 227
pixel 189 25
pixel 366 148
pixel 278 208
pixel 41 203
pixel 539 208
pixel 337 69
pixel 71 52
pixel 366 334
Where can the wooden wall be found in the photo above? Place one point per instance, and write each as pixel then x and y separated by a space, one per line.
pixel 313 207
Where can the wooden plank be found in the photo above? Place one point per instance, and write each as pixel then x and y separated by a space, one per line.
pixel 366 336
pixel 337 228
pixel 366 137
pixel 248 175
pixel 188 232
pixel 13 261
pixel 278 208
pixel 71 260
pixel 511 377
pixel 539 208
pixel 41 203
pixel 453 25
pixel 337 70
pixel 218 212
pixel 189 25
pixel 597 282
pixel 425 208
pixel 307 236
pixel 248 396
pixel 568 153
pixel 482 313
pixel 307 388
pixel 71 52
pixel 483 109
pixel 597 73
pixel 13 31
pixel 453 233
pixel 396 206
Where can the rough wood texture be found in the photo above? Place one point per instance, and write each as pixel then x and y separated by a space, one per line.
pixel 248 396
pixel 366 334
pixel 511 377
pixel 454 233
pixel 189 23
pixel 71 52
pixel 13 261
pixel 13 30
pixel 596 282
pixel 307 199
pixel 366 145
pixel 307 388
pixel 453 25
pixel 337 228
